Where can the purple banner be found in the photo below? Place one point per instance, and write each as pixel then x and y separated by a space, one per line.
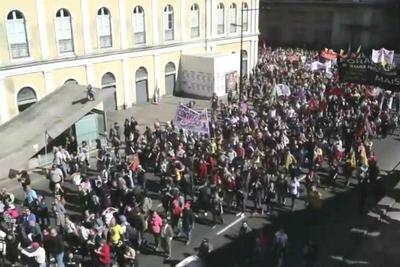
pixel 191 120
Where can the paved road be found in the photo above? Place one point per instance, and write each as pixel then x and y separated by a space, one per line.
pixel 337 229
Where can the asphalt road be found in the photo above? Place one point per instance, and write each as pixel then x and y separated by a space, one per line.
pixel 337 228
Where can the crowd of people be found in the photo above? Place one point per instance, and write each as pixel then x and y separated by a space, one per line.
pixel 261 148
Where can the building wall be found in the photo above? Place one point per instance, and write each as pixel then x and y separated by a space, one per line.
pixel 46 69
pixel 329 24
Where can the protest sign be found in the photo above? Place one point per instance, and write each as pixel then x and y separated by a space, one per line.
pixel 364 71
pixel 282 90
pixel 315 66
pixel 191 120
pixel 382 56
pixel 328 54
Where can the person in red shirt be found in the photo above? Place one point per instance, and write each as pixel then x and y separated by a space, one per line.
pixel 104 254
pixel 202 172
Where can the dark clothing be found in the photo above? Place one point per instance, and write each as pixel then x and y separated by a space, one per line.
pixel 56 245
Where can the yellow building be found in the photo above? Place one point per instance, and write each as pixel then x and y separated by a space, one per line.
pixel 129 47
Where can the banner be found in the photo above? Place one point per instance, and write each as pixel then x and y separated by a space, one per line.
pixel 364 71
pixel 396 60
pixel 328 54
pixel 231 81
pixel 191 120
pixel 315 66
pixel 282 89
pixel 382 56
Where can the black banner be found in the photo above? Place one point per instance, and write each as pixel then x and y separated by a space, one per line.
pixel 364 71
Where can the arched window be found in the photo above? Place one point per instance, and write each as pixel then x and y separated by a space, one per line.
pixel 70 82
pixel 104 28
pixel 220 18
pixel 25 98
pixel 64 31
pixel 194 21
pixel 233 18
pixel 168 23
pixel 139 25
pixel 245 22
pixel 16 34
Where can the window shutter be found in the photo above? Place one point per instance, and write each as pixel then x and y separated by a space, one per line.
pixel 16 31
pixel 63 28
pixel 233 15
pixel 166 21
pixel 103 25
pixel 220 15
pixel 195 19
pixel 138 22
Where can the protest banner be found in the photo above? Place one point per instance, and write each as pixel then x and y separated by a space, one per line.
pixel 316 66
pixel 191 120
pixel 364 71
pixel 382 56
pixel 328 54
pixel 282 90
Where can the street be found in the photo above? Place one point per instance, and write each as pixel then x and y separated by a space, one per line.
pixel 338 228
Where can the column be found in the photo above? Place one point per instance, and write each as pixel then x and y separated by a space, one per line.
pixel 86 26
pixel 154 22
pixel 122 21
pixel 48 81
pixel 257 14
pixel 4 115
pixel 90 74
pixel 127 89
pixel 252 16
pixel 208 23
pixel 41 14
pixel 212 15
pixel 183 13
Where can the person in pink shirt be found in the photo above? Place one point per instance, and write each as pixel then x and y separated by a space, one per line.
pixel 156 224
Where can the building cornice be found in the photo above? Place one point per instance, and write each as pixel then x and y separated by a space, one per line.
pixel 115 55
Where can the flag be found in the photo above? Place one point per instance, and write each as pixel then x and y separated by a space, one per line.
pixel 348 54
pixel 48 139
pixel 358 50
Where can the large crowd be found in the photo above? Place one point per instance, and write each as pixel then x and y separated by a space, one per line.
pixel 261 147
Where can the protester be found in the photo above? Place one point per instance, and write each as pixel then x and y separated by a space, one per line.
pixel 285 121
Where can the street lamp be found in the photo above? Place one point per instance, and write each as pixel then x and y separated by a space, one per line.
pixel 241 43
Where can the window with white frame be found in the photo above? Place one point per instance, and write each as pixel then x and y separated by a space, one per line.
pixel 104 28
pixel 16 35
pixel 194 21
pixel 64 31
pixel 139 25
pixel 220 18
pixel 233 18
pixel 245 18
pixel 168 23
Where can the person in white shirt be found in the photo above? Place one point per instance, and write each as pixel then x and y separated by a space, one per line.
pixel 38 252
pixel 293 188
